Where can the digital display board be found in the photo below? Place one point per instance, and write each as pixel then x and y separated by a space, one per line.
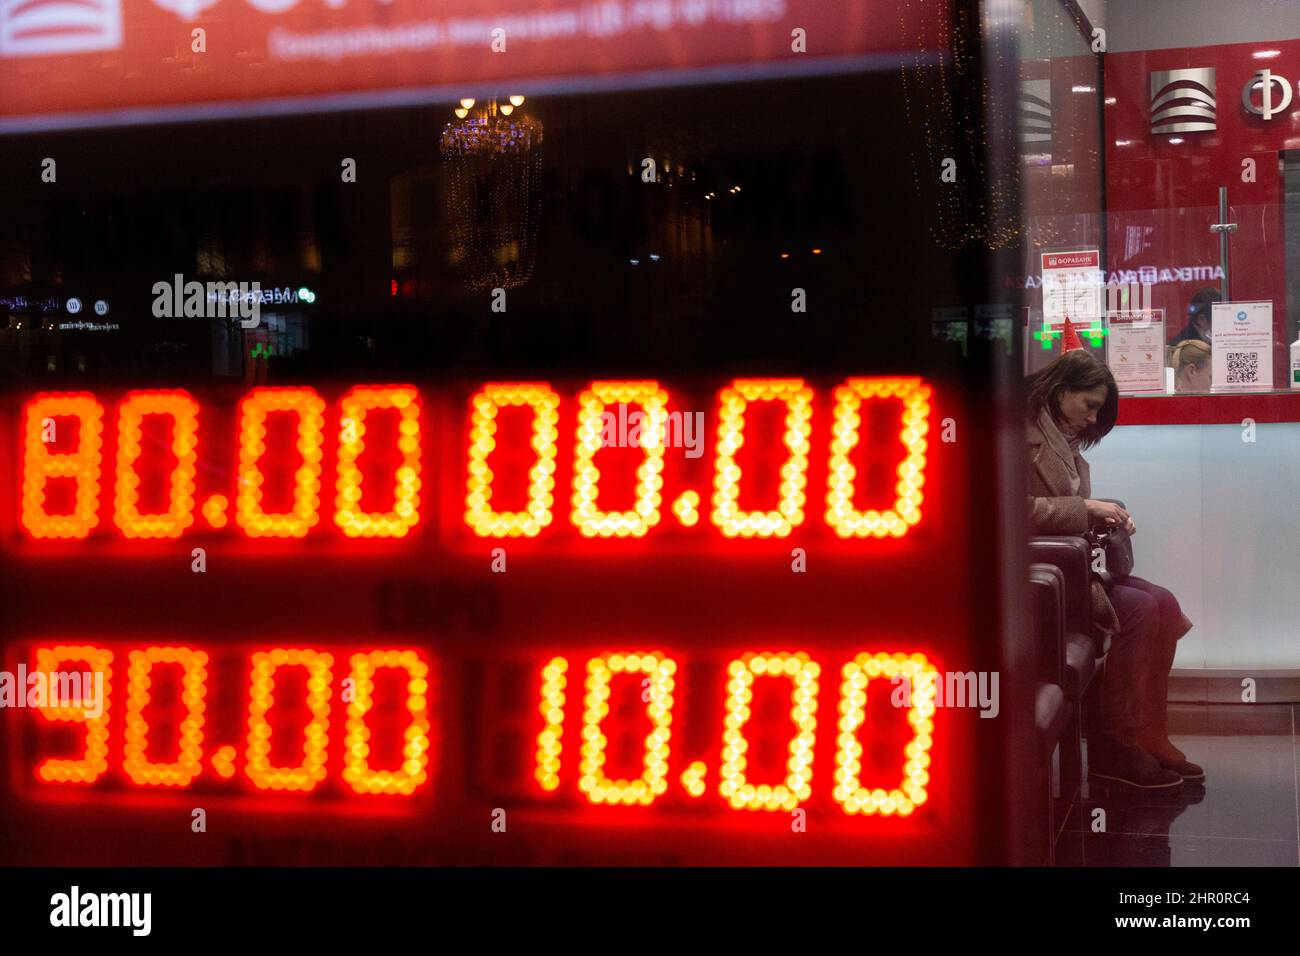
pixel 620 620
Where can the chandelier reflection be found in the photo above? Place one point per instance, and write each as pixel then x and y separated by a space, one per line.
pixel 493 159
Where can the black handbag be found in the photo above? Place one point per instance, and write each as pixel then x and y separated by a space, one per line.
pixel 1117 546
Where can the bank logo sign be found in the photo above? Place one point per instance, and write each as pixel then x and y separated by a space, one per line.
pixel 1182 101
pixel 39 27
pixel 1035 111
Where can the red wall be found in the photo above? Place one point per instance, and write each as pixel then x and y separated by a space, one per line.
pixel 1162 197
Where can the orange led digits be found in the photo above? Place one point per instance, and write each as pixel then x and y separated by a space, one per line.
pixel 592 435
pixel 415 752
pixel 794 473
pixel 137 765
pixel 39 465
pixel 550 740
pixel 796 788
pixel 906 510
pixel 479 514
pixel 253 410
pixel 920 676
pixel 405 513
pixel 311 771
pixel 184 412
pixel 657 690
pixel 94 761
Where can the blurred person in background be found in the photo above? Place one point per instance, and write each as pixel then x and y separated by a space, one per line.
pixel 1199 313
pixel 1192 368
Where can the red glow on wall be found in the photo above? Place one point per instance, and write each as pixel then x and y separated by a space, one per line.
pixel 1162 190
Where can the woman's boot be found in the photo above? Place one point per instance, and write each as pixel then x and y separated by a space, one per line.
pixel 1153 707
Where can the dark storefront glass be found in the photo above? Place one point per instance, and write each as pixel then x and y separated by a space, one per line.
pixel 790 225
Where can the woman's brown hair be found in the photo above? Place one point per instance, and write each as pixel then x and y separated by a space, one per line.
pixel 1078 371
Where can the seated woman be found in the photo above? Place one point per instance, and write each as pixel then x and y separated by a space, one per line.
pixel 1073 404
pixel 1192 368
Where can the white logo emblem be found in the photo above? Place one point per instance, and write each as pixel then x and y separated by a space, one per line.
pixel 1182 101
pixel 276 6
pixel 1035 111
pixel 186 9
pixel 39 27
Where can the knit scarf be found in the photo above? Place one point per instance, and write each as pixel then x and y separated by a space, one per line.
pixel 1064 448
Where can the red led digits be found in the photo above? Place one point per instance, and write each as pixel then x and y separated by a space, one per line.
pixel 253 411
pixel 658 691
pixel 136 762
pixel 311 771
pixel 405 513
pixel 415 752
pixel 72 695
pixel 94 760
pixel 82 465
pixel 586 515
pixel 183 411
pixel 841 514
pixel 920 676
pixel 550 740
pixel 479 513
pixel 794 473
pixel 735 786
pixel 398 491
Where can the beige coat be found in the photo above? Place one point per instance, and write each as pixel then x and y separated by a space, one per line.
pixel 1054 509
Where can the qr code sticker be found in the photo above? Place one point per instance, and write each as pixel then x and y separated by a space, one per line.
pixel 1243 367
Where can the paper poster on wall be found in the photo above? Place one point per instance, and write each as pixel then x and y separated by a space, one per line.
pixel 1243 345
pixel 1071 286
pixel 1135 350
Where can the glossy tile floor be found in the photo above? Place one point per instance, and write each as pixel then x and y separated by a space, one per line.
pixel 1247 813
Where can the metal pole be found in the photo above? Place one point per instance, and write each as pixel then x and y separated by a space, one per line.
pixel 1223 243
